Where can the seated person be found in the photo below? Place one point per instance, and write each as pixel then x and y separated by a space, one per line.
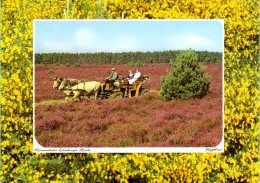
pixel 130 75
pixel 136 76
pixel 113 77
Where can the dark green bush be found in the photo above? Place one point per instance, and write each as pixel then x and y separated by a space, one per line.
pixel 50 71
pixel 76 65
pixel 135 64
pixel 186 79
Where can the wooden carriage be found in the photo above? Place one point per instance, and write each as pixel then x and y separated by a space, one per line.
pixel 121 88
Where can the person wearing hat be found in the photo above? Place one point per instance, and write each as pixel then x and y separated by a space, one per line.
pixel 113 76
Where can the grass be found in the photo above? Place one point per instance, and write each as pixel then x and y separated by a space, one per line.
pixel 51 102
pixel 41 65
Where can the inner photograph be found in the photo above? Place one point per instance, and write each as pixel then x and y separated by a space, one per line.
pixel 132 83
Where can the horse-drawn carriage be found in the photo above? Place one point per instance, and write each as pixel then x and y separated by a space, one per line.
pixel 120 88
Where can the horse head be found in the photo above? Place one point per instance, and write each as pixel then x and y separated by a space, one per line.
pixel 64 83
pixel 57 82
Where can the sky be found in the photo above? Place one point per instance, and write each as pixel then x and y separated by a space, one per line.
pixel 124 36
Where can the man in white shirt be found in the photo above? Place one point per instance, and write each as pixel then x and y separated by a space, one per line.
pixel 136 76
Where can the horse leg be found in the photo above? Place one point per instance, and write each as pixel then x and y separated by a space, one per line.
pixel 76 95
pixel 96 95
pixel 79 97
pixel 66 95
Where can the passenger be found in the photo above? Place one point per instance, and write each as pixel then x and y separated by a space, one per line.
pixel 130 75
pixel 136 76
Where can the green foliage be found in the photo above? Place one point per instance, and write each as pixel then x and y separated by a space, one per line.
pixel 50 71
pixel 186 80
pixel 42 65
pixel 122 58
pixel 117 62
pixel 76 65
pixel 136 64
pixel 67 64
pixel 47 165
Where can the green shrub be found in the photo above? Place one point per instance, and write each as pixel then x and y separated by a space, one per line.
pixel 76 65
pixel 218 61
pixel 41 65
pixel 186 79
pixel 130 64
pixel 135 64
pixel 57 64
pixel 50 71
pixel 67 64
pixel 140 64
pixel 117 62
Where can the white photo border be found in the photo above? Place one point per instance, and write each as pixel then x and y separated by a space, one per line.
pixel 37 148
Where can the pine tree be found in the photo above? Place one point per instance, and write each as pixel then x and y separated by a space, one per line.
pixel 186 79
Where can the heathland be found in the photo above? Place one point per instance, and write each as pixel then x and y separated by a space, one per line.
pixel 144 121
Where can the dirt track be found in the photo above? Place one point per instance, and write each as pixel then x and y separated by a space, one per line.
pixel 62 101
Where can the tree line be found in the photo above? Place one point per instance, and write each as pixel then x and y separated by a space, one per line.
pixel 122 58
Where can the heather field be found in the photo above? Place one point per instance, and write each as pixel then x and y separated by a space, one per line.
pixel 44 78
pixel 143 121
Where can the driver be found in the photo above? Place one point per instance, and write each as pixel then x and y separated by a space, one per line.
pixel 113 77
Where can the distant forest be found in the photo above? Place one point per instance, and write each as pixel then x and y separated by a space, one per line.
pixel 121 58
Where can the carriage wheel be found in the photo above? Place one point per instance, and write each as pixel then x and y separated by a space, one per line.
pixel 145 91
pixel 117 95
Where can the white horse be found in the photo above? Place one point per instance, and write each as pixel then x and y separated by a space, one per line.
pixel 87 89
pixel 65 84
pixel 84 88
pixel 57 82
pixel 69 82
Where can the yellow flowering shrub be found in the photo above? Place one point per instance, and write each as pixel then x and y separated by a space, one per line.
pixel 239 163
